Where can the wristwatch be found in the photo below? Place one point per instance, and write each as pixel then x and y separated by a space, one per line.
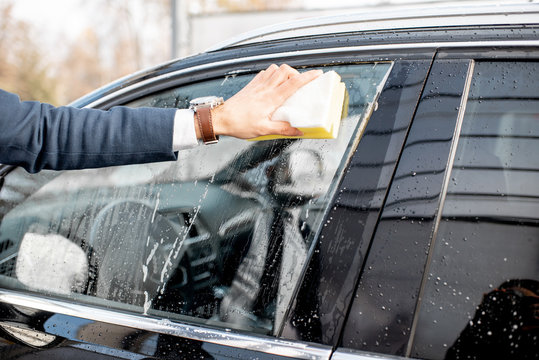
pixel 202 107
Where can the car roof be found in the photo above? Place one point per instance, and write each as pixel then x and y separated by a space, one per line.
pixel 350 25
pixel 391 18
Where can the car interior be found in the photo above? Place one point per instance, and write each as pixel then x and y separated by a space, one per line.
pixel 220 236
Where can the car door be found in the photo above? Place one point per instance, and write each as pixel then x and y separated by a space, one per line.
pixel 452 271
pixel 201 257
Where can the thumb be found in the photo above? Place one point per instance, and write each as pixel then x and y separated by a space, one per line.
pixel 283 128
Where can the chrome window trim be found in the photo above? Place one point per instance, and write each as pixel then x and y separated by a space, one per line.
pixel 273 346
pixel 295 54
pixel 351 354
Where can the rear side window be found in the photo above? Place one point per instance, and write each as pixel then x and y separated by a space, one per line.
pixel 218 237
pixel 481 294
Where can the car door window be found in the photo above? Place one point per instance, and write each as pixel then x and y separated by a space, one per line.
pixel 218 237
pixel 481 292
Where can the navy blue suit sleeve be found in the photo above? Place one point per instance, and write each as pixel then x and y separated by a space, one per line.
pixel 40 136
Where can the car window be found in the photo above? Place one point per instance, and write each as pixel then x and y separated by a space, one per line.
pixel 318 312
pixel 385 301
pixel 218 237
pixel 481 292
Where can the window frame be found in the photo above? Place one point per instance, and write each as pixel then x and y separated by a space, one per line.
pixel 12 303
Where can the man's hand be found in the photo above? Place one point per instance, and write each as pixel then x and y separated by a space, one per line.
pixel 248 113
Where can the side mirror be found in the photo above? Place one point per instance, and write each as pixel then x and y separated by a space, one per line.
pixel 51 263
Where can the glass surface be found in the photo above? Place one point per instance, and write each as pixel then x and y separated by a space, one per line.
pixel 218 237
pixel 481 298
pixel 382 313
pixel 319 311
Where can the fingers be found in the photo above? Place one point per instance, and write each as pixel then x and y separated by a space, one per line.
pixel 282 74
pixel 284 80
pixel 285 72
pixel 282 128
pixel 264 75
pixel 275 75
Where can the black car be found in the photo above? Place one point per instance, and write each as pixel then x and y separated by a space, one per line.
pixel 415 233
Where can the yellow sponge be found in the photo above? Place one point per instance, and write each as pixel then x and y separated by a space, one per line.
pixel 316 109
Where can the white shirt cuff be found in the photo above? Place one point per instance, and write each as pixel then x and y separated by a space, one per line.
pixel 184 136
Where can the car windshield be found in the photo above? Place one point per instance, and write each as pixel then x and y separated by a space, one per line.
pixel 220 236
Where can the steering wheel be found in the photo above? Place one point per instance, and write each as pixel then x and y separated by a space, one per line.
pixel 136 251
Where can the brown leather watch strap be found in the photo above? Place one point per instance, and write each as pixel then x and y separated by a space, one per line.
pixel 203 114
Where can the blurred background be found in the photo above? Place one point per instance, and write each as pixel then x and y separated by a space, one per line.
pixel 58 50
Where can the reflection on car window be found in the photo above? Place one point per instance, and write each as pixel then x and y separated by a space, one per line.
pixel 481 298
pixel 219 236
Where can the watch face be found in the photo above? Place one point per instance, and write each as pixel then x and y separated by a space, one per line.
pixel 206 100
